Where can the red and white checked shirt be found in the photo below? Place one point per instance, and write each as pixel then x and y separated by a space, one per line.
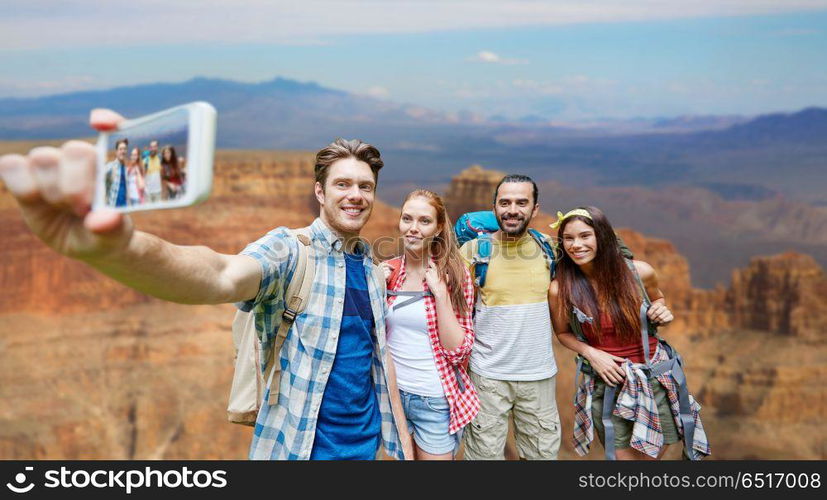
pixel 464 405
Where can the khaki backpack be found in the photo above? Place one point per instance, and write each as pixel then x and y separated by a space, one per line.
pixel 250 378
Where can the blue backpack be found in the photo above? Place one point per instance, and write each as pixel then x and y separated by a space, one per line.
pixel 479 226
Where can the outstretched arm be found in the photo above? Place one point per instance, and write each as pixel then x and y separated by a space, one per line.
pixel 54 189
pixel 184 274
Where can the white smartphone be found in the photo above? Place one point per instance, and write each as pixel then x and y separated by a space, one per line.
pixel 162 160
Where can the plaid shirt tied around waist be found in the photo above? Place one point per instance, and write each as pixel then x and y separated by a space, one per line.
pixel 636 402
pixel 464 404
pixel 285 431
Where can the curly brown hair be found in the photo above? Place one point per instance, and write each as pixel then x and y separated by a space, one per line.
pixel 341 149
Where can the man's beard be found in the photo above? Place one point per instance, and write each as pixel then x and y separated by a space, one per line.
pixel 519 230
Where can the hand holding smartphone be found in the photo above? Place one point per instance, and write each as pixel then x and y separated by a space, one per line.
pixel 162 160
pixel 72 196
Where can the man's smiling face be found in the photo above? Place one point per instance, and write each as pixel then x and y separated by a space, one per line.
pixel 515 207
pixel 347 196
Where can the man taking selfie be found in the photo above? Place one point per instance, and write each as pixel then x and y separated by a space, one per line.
pixel 115 175
pixel 333 402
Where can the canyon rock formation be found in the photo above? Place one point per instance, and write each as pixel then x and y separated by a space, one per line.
pixel 92 369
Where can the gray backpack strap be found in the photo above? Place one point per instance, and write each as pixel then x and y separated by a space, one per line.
pixel 646 326
pixel 608 426
pixel 295 298
pixel 631 265
pixel 414 297
pixel 576 320
pixel 644 334
pixel 687 419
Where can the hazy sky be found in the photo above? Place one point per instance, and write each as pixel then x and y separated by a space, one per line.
pixel 564 60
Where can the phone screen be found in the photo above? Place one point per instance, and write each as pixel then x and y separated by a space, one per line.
pixel 146 164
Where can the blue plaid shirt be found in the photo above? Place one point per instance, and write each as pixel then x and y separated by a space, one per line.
pixel 286 431
pixel 113 179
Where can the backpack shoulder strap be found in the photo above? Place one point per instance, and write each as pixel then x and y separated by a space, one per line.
pixel 298 290
pixel 624 250
pixel 548 249
pixel 396 266
pixel 647 327
pixel 631 265
pixel 576 320
pixel 482 255
pixel 296 297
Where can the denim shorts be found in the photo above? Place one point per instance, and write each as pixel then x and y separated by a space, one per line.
pixel 428 420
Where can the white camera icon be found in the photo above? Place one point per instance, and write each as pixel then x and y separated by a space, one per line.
pixel 20 478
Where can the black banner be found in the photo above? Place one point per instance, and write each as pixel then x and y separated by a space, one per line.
pixel 220 479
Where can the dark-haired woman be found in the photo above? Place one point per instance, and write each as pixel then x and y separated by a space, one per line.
pixel 429 328
pixel 173 178
pixel 599 297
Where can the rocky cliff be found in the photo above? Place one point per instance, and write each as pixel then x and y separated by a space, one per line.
pixel 784 294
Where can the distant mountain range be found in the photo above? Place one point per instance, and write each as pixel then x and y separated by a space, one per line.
pixel 766 155
pixel 286 102
pixel 730 185
pixel 748 155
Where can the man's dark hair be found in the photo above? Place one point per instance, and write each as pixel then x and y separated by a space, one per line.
pixel 341 149
pixel 516 178
pixel 119 141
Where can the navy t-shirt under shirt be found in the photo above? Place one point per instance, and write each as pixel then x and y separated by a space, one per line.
pixel 349 423
pixel 121 200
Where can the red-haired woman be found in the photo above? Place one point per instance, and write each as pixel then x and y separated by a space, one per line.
pixel 430 329
pixel 601 301
pixel 134 179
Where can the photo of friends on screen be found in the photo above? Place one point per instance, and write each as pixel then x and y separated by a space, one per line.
pixel 147 171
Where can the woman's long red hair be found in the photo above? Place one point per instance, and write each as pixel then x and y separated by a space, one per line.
pixel 444 249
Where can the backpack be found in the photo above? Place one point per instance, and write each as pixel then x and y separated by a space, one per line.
pixel 480 226
pixel 675 363
pixel 250 377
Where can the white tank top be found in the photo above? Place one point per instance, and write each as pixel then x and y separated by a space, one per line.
pixel 410 347
pixel 132 191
